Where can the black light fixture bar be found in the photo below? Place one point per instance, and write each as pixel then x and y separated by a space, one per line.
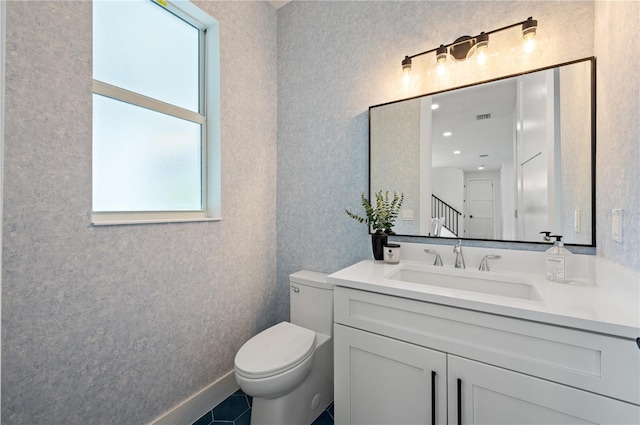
pixel 527 24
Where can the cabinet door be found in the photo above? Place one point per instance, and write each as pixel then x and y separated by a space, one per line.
pixel 483 394
pixel 379 380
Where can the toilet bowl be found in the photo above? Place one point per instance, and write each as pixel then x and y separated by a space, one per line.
pixel 288 368
pixel 286 353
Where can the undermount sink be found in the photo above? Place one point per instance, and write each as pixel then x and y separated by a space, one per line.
pixel 468 280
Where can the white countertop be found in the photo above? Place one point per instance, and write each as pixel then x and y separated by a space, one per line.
pixel 604 299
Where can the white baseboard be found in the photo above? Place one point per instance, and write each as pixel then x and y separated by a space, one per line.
pixel 192 409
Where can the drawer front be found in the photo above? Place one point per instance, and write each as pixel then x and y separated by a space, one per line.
pixel 598 363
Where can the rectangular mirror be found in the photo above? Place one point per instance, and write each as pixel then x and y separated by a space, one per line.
pixel 502 160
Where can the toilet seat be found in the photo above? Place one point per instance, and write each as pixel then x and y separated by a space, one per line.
pixel 274 350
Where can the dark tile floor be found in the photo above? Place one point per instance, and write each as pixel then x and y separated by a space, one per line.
pixel 236 410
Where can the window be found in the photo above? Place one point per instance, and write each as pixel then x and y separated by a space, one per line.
pixel 155 112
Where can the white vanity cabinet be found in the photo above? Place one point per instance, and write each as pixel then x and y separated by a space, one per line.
pixel 402 361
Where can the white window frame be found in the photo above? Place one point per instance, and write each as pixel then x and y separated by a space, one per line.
pixel 209 119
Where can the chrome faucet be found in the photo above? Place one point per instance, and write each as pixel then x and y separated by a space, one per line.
pixel 484 264
pixel 459 258
pixel 438 261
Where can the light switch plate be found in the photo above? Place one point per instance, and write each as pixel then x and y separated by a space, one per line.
pixel 407 215
pixel 616 224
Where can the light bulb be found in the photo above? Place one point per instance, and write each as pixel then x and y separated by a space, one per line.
pixel 482 55
pixel 534 41
pixel 441 59
pixel 406 78
pixel 406 68
pixel 529 42
pixel 482 44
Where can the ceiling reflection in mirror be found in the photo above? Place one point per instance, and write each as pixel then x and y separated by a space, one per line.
pixel 503 160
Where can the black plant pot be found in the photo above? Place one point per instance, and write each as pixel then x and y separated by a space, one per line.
pixel 378 241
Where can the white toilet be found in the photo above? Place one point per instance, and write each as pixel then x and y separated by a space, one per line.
pixel 288 368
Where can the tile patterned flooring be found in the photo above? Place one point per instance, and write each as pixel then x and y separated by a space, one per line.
pixel 236 410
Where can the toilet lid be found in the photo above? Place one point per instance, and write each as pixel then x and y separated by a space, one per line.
pixel 274 350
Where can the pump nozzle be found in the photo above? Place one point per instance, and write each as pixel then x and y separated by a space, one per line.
pixel 546 236
pixel 558 241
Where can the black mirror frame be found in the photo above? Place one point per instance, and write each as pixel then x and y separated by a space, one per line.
pixel 590 59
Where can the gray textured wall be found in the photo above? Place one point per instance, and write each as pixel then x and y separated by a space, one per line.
pixel 618 131
pixel 575 137
pixel 397 158
pixel 119 324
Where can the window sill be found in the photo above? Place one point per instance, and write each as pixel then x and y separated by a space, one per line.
pixel 121 218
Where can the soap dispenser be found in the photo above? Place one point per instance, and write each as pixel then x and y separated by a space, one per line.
pixel 557 261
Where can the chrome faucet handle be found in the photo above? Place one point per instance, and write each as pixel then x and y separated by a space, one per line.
pixel 438 261
pixel 484 264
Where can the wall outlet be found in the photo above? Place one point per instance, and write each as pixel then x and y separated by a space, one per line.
pixel 407 215
pixel 616 224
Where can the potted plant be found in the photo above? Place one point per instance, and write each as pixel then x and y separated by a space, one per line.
pixel 380 218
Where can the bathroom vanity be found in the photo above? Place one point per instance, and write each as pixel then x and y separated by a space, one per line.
pixel 419 344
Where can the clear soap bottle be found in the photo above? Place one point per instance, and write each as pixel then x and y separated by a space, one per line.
pixel 558 261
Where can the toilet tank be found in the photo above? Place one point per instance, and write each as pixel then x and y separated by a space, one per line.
pixel 311 301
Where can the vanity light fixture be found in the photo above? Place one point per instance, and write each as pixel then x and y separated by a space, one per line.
pixel 534 40
pixel 406 65
pixel 529 34
pixel 482 44
pixel 466 46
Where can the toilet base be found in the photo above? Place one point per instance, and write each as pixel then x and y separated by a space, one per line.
pixel 302 405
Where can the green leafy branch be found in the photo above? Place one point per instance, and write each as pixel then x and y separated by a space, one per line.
pixel 383 215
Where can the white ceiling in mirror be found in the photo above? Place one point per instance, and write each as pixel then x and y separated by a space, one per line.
pixel 480 120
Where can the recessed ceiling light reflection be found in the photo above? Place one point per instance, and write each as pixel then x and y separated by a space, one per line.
pixel 456 152
pixel 434 106
pixel 481 167
pixel 446 134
